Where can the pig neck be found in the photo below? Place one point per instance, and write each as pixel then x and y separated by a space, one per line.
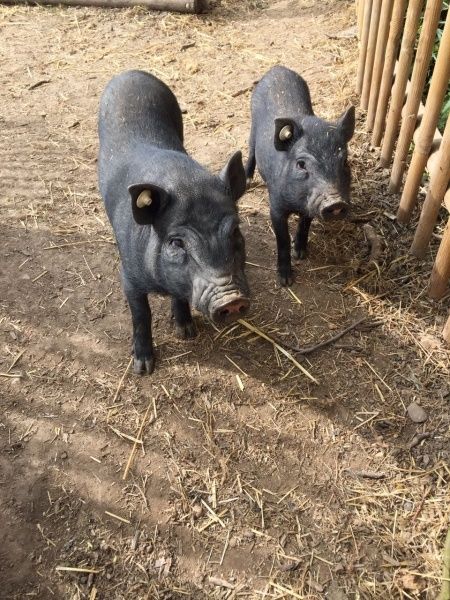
pixel 172 170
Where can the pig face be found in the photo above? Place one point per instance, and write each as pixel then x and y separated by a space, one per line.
pixel 200 251
pixel 316 172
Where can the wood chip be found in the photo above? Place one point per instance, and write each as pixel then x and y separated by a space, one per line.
pixel 221 583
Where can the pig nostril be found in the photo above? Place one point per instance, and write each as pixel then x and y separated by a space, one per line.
pixel 335 211
pixel 231 311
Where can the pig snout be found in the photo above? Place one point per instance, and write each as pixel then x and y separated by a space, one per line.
pixel 230 310
pixel 333 208
pixel 222 299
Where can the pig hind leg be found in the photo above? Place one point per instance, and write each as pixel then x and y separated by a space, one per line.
pixel 141 316
pixel 184 324
pixel 301 238
pixel 280 227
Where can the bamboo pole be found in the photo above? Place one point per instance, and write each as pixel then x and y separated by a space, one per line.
pixel 360 16
pixel 433 106
pixel 446 331
pixel 438 185
pixel 184 6
pixel 383 31
pixel 371 46
pixel 433 159
pixel 440 275
pixel 401 77
pixel 395 33
pixel 364 42
pixel 421 62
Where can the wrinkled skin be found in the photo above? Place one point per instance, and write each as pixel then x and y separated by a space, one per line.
pixel 302 159
pixel 176 224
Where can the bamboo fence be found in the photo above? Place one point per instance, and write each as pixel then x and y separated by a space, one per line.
pixel 396 40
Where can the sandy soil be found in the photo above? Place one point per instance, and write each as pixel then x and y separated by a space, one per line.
pixel 252 481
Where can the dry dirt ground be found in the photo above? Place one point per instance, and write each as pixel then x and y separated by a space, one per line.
pixel 252 481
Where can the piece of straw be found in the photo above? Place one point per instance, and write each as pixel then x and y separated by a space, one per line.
pixel 278 347
pixel 135 445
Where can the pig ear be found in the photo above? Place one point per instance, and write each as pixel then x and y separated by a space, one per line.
pixel 146 201
pixel 286 130
pixel 346 123
pixel 233 175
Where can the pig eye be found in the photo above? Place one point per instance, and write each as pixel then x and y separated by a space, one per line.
pixel 301 165
pixel 176 243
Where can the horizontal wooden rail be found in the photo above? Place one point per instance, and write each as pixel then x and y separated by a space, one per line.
pixel 183 6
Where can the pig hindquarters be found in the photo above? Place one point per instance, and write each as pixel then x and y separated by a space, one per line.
pixel 176 224
pixel 302 159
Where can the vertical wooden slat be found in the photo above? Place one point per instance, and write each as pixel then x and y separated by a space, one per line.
pixel 383 31
pixel 440 274
pixel 446 331
pixel 364 42
pixel 401 77
pixel 438 87
pixel 438 185
pixel 371 46
pixel 360 16
pixel 395 34
pixel 421 63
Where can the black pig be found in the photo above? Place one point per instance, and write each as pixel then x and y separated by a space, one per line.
pixel 302 159
pixel 176 224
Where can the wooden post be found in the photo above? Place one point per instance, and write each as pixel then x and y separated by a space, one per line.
pixel 373 34
pixel 401 77
pixel 446 331
pixel 440 274
pixel 383 30
pixel 360 16
pixel 395 33
pixel 433 106
pixel 184 6
pixel 421 62
pixel 364 42
pixel 438 185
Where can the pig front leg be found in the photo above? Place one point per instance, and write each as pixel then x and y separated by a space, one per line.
pixel 184 324
pixel 280 227
pixel 141 316
pixel 301 238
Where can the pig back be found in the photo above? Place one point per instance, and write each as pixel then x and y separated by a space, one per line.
pixel 280 93
pixel 137 107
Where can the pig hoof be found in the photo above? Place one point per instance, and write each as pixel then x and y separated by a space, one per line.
pixel 300 254
pixel 186 331
pixel 285 280
pixel 143 365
